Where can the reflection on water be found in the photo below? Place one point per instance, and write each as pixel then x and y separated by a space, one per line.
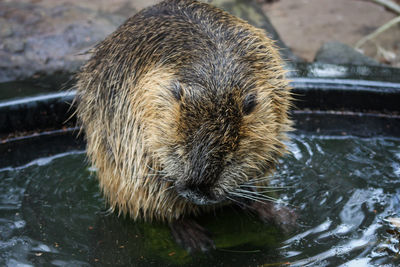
pixel 344 189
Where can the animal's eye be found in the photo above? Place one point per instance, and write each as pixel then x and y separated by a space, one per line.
pixel 249 104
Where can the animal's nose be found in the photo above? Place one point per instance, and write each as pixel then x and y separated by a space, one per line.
pixel 197 194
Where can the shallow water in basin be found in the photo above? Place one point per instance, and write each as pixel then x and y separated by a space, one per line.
pixel 346 190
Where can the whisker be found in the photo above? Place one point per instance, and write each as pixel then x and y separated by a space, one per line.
pixel 248 197
pixel 265 187
pixel 257 194
pixel 241 204
pixel 252 192
pixel 234 200
pixel 271 191
pixel 258 181
pixel 265 198
pixel 268 177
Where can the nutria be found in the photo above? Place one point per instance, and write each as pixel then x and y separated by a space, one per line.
pixel 185 108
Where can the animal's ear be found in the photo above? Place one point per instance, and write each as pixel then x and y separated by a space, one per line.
pixel 249 103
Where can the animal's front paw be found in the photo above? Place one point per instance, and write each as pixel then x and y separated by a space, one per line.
pixel 190 235
pixel 282 216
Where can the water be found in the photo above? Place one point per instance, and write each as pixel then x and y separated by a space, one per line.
pixel 345 190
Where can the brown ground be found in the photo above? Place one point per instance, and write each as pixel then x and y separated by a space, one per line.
pixel 304 25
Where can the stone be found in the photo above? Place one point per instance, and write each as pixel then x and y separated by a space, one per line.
pixel 339 53
pixel 48 37
pixel 5 29
pixel 14 45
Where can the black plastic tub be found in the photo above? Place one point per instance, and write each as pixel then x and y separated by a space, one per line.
pixel 346 213
pixel 330 99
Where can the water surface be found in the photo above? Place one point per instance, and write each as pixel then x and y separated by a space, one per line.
pixel 345 189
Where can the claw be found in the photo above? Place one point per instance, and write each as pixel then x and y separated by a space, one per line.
pixel 191 236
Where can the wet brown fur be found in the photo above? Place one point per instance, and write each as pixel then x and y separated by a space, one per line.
pixel 135 120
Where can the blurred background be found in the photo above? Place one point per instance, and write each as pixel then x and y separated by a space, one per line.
pixel 42 37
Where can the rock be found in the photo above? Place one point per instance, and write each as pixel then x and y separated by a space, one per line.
pixel 47 37
pixel 251 12
pixel 339 53
pixel 14 45
pixel 5 29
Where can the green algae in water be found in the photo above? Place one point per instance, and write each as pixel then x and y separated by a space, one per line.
pixel 51 213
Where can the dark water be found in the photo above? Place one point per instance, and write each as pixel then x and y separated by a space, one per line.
pixel 345 190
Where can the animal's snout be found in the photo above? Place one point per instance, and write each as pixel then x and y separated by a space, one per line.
pixel 197 194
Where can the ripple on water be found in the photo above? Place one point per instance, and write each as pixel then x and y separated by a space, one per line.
pixel 355 181
pixel 344 188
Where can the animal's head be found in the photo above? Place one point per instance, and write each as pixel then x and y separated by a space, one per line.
pixel 210 137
